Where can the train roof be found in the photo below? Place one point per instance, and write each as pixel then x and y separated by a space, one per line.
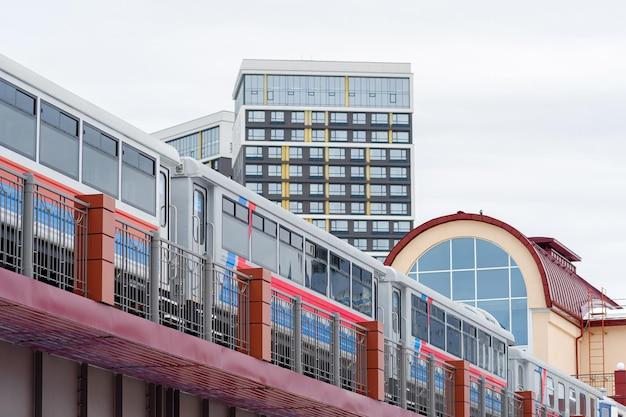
pixel 81 105
pixel 192 167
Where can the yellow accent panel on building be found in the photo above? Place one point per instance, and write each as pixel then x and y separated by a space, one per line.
pixel 284 189
pixel 285 204
pixel 265 89
pixel 347 89
pixel 367 208
pixel 285 153
pixel 308 133
pixel 285 171
pixel 390 137
pixel 308 117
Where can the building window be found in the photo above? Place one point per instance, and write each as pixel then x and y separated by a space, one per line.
pixel 297 117
pixel 377 154
pixel 400 137
pixel 316 153
pixel 256 134
pixel 398 172
pixel 274 171
pixel 338 225
pixel 295 189
pixel 337 189
pixel 357 172
pixel 357 190
pixel 380 136
pixel 359 118
pixel 254 152
pixel 338 118
pixel 295 170
pixel 316 207
pixel 253 170
pixel 359 136
pixel 295 153
pixel 357 154
pixel 277 117
pixel 316 171
pixel 380 244
pixel 295 207
pixel 400 119
pixel 357 208
pixel 316 189
pixel 318 136
pixel 277 134
pixel 399 208
pixel 378 172
pixel 338 135
pixel 360 244
pixel 336 171
pixel 401 226
pixel 297 135
pixel 256 187
pixel 319 223
pixel 256 116
pixel 397 154
pixel 274 152
pixel 378 208
pixel 336 207
pixel 274 188
pixel 359 226
pixel 336 153
pixel 398 190
pixel 380 226
pixel 318 117
pixel 380 119
pixel 377 190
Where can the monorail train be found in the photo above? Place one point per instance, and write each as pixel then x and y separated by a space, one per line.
pixel 184 216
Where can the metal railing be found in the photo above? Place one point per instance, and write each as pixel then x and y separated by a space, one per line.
pixel 43 232
pixel 418 382
pixel 318 343
pixel 600 381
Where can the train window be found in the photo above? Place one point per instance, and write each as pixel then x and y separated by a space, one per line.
pixel 499 357
pixel 437 327
pixel 361 290
pixel 58 140
pixel 572 402
pixel 100 154
pixel 234 228
pixel 17 120
pixel 469 343
pixel 199 216
pixel 340 279
pixel 484 350
pixel 163 198
pixel 537 386
pixel 521 379
pixel 316 267
pixel 453 335
pixel 290 255
pixel 550 391
pixel 592 406
pixel 395 312
pixel 419 318
pixel 138 179
pixel 560 392
pixel 582 404
pixel 263 241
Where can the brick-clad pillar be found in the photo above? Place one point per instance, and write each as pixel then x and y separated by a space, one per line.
pixel 461 387
pixel 260 312
pixel 375 359
pixel 528 403
pixel 100 247
pixel 620 386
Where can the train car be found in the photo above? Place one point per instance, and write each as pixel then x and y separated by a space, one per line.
pixel 556 393
pixel 69 148
pixel 608 407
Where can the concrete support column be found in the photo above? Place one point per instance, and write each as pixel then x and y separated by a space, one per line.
pixel 375 359
pixel 528 403
pixel 461 387
pixel 100 248
pixel 260 292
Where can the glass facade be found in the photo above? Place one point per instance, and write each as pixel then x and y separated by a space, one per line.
pixel 198 145
pixel 481 274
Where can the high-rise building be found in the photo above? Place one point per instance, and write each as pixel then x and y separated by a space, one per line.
pixel 207 139
pixel 331 141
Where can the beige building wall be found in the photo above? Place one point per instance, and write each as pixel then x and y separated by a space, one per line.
pixel 552 338
pixel 614 347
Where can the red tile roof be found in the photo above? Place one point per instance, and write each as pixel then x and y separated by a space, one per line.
pixel 564 290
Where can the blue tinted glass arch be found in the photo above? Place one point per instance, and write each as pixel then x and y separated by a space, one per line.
pixel 436 259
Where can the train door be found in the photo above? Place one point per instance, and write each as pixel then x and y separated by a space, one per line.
pixel 198 220
pixel 396 315
pixel 163 200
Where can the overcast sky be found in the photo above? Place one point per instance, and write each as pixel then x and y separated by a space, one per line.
pixel 520 109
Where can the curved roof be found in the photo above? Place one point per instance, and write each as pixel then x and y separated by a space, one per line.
pixel 564 289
